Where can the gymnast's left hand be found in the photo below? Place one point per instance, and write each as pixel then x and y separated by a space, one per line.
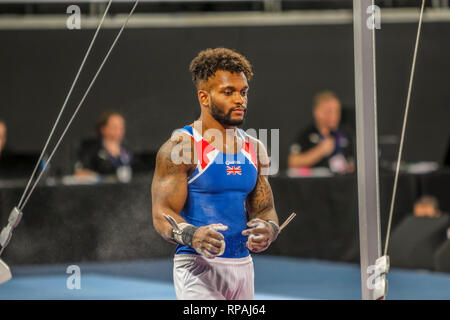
pixel 260 235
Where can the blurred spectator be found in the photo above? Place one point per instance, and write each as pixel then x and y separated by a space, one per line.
pixel 324 143
pixel 14 165
pixel 106 155
pixel 417 238
pixel 2 137
pixel 427 206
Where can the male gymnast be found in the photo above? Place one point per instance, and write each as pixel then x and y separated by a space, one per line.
pixel 210 191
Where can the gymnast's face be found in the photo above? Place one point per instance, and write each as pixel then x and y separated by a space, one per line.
pixel 225 95
pixel 327 113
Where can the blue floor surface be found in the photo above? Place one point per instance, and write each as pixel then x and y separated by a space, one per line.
pixel 275 278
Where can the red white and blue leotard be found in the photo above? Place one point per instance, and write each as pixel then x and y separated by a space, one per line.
pixel 218 189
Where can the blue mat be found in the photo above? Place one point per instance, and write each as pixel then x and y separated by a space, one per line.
pixel 275 278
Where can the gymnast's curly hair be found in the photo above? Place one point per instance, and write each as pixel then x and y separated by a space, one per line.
pixel 208 61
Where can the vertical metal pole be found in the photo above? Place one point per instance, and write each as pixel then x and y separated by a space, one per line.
pixel 366 139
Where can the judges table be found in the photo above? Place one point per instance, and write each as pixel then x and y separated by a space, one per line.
pixel 113 221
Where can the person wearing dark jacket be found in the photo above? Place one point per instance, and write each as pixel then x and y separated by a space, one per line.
pixel 106 155
pixel 416 239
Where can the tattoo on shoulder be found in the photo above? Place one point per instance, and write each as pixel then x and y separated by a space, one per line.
pixel 164 159
pixel 174 155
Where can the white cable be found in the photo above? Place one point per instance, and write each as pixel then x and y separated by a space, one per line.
pixel 402 137
pixel 79 106
pixel 64 104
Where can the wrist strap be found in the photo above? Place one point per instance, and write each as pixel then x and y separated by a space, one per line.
pixel 276 229
pixel 184 234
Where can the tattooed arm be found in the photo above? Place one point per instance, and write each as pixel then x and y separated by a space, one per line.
pixel 260 208
pixel 260 202
pixel 169 189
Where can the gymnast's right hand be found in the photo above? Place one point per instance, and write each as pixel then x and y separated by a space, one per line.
pixel 208 241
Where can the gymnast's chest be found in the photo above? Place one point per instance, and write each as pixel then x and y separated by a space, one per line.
pixel 225 176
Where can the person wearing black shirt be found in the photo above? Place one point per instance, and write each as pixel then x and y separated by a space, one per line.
pixel 14 165
pixel 417 239
pixel 324 143
pixel 106 155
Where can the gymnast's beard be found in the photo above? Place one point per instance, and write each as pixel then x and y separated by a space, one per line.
pixel 225 119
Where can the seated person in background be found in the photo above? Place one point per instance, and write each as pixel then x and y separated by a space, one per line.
pixel 427 206
pixel 324 143
pixel 417 237
pixel 106 155
pixel 14 165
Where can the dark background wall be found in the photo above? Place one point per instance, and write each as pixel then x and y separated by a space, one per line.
pixel 147 78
